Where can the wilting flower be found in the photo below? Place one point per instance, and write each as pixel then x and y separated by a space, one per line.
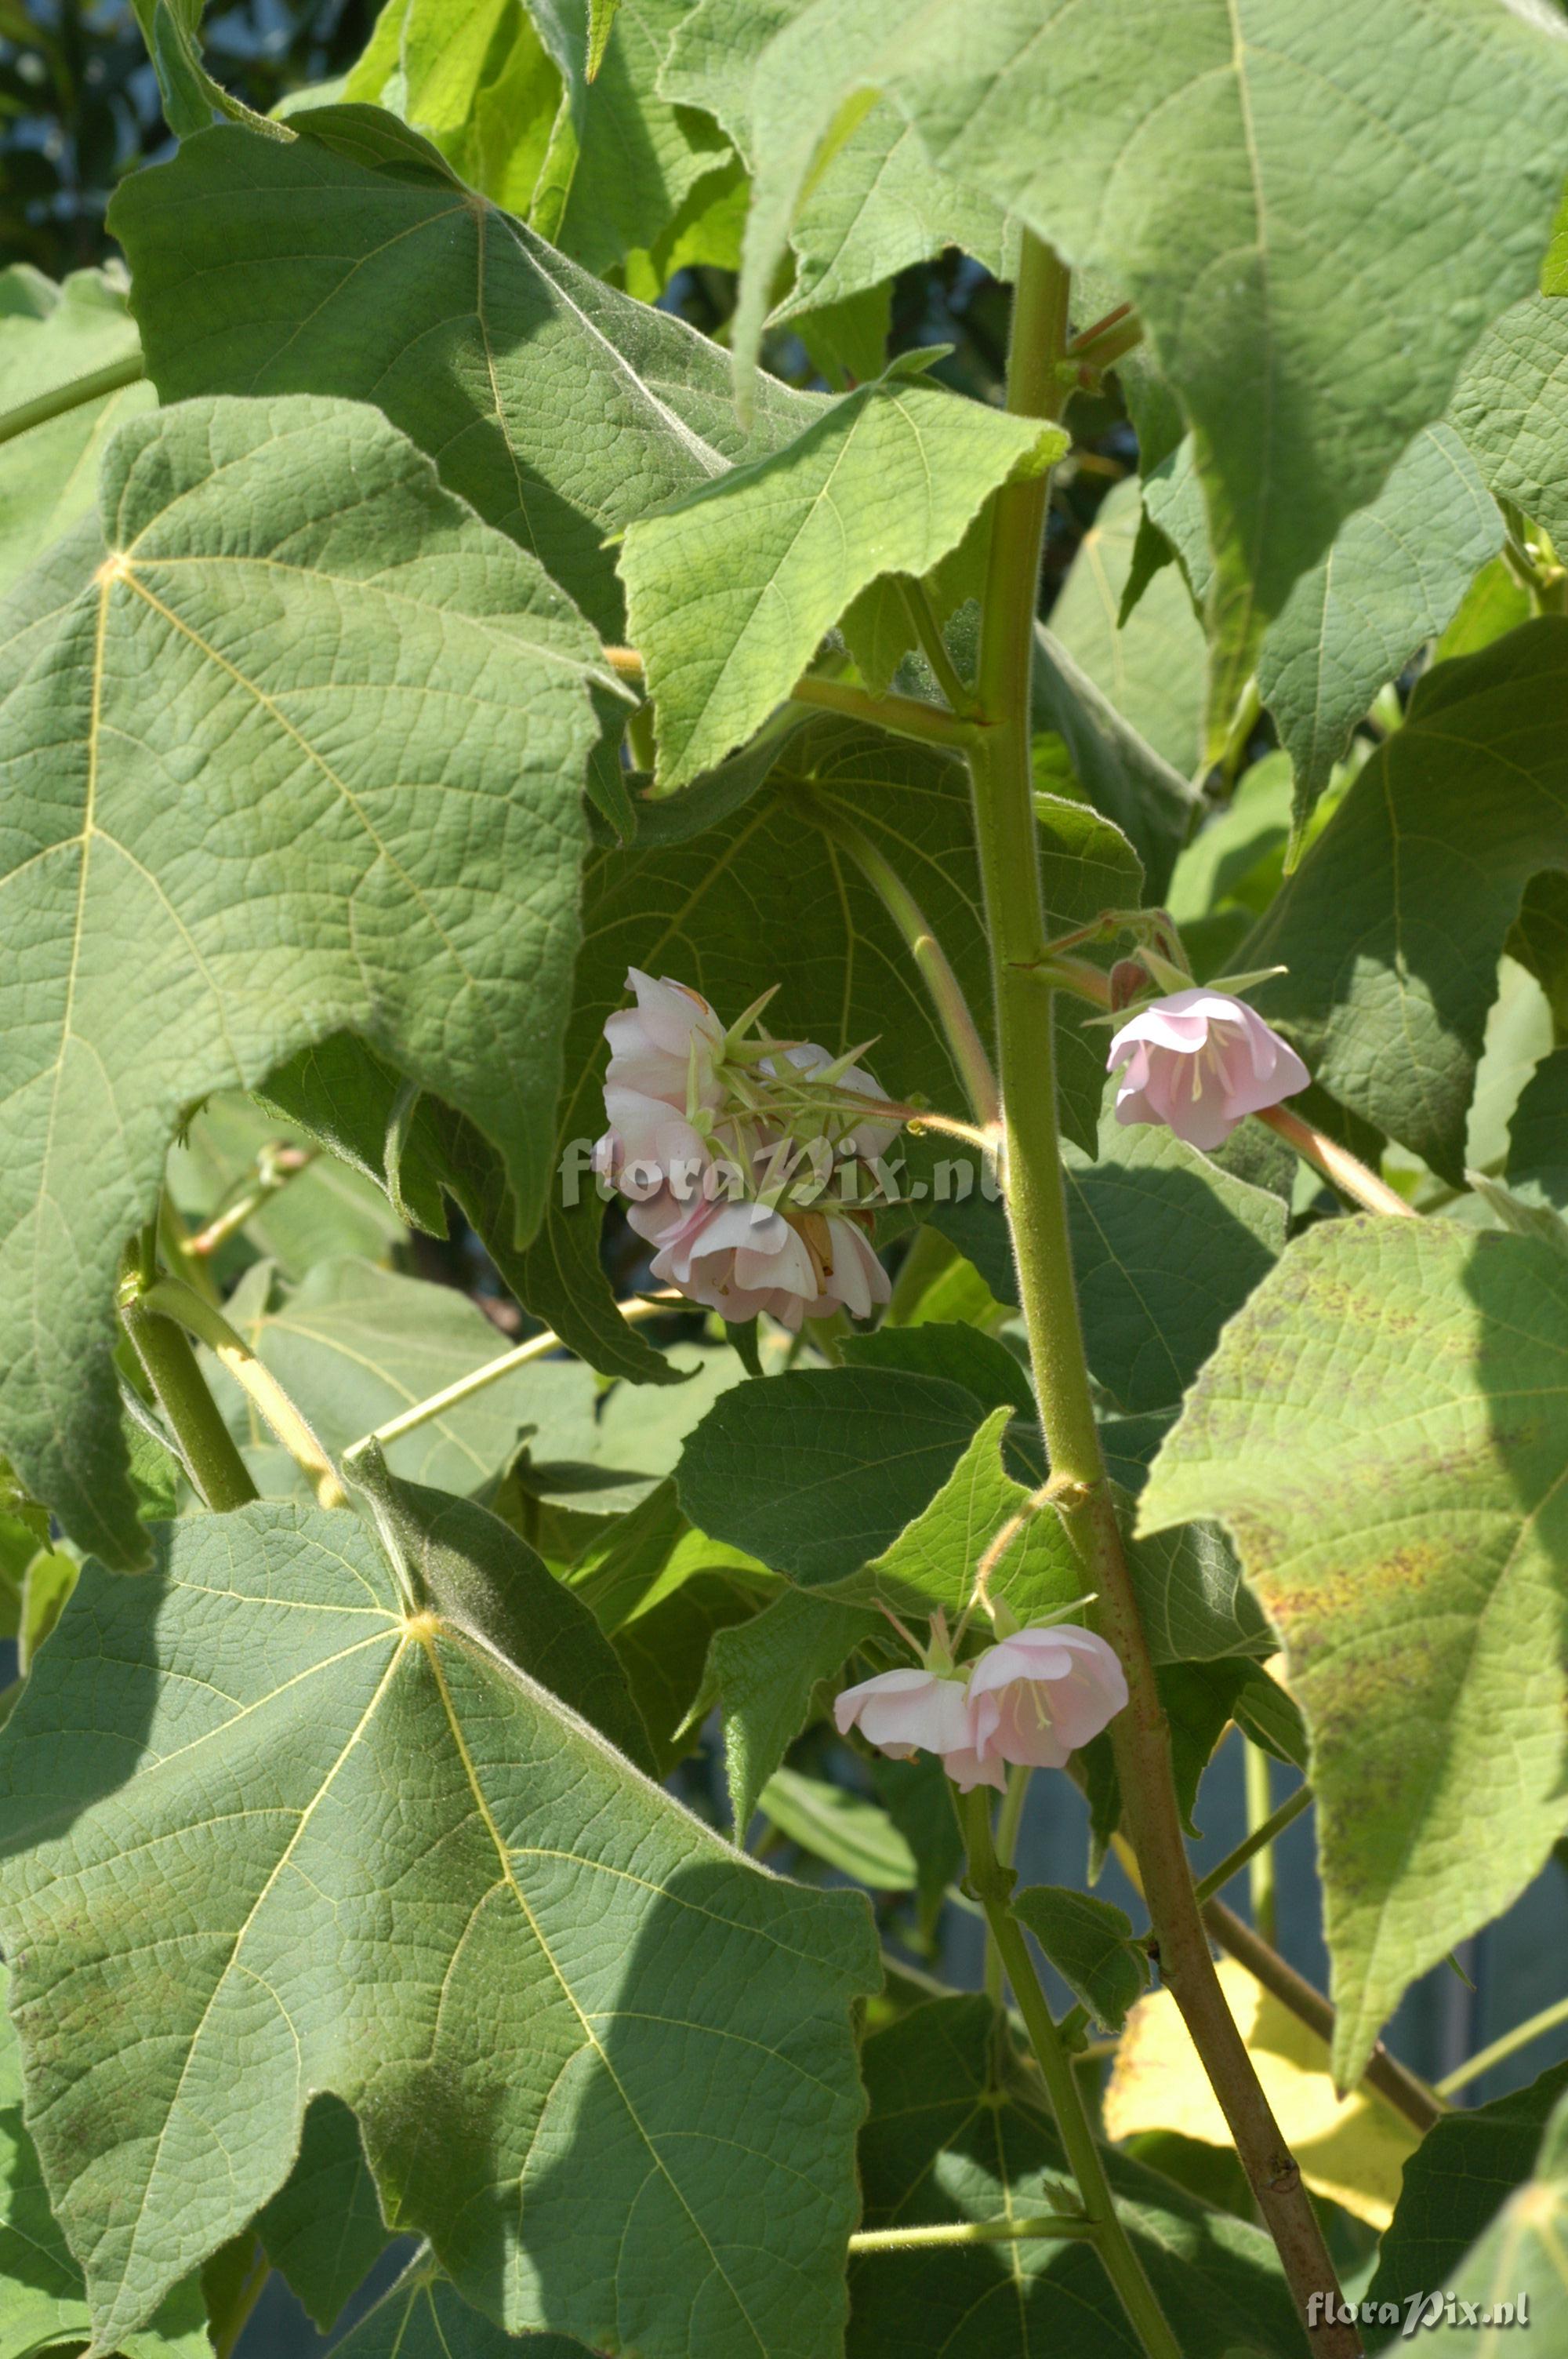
pixel 1037 1696
pixel 742 1158
pixel 1198 1062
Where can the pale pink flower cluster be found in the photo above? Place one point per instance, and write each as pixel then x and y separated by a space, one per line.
pixel 1200 1061
pixel 1033 1698
pixel 707 1138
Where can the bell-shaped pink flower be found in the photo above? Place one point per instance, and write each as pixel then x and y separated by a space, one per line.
pixel 651 1044
pixel 1200 1061
pixel 907 1711
pixel 1037 1696
pixel 742 1258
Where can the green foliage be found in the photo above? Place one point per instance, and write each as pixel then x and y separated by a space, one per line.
pixel 42 2303
pixel 272 1795
pixel 1467 2167
pixel 52 338
pixel 1257 277
pixel 1521 2254
pixel 1393 924
pixel 595 408
pixel 728 590
pixel 260 556
pixel 1397 1510
pixel 1393 580
pixel 955 2136
pixel 1090 1944
pixel 444 648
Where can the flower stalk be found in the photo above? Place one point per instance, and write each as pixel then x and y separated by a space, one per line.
pixel 1005 831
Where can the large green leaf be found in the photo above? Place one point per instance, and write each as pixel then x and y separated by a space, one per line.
pixel 354 263
pixel 944 2143
pixel 423 2317
pixel 819 1472
pixel 354 1346
pixel 1393 580
pixel 1166 1247
pixel 1316 209
pixel 43 2305
pixel 1151 668
pixel 936 1560
pixel 1382 1430
pixel 359 802
pixel 1522 2254
pixel 1123 778
pixel 77 333
pixel 1538 1136
pixel 1507 406
pixel 1466 2167
pixel 323 2231
pixel 330 1840
pixel 1392 925
pixel 729 590
pixel 877 205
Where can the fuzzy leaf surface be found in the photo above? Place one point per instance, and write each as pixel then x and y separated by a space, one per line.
pixel 358 800
pixel 1311 320
pixel 1393 578
pixel 1382 1431
pixel 729 591
pixel 50 336
pixel 353 262
pixel 1392 925
pixel 362 1849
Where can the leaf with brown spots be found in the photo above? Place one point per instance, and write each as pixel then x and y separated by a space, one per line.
pixel 1384 1429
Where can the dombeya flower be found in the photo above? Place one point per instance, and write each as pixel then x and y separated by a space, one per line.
pixel 905 1712
pixel 741 1258
pixel 656 1047
pixel 1198 1062
pixel 1039 1695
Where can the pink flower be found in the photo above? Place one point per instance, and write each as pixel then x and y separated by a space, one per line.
pixel 655 1156
pixel 1039 1695
pixel 651 1044
pixel 742 1258
pixel 1198 1062
pixel 905 1712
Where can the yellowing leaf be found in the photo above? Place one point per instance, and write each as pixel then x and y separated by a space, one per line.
pixel 1351 2149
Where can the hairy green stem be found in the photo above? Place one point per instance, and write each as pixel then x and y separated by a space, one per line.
pixel 210 1455
pixel 177 1300
pixel 1059 2226
pixel 60 398
pixel 905 716
pixel 1260 1847
pixel 464 1387
pixel 992 1884
pixel 1510 2043
pixel 1260 1835
pixel 964 1042
pixel 1006 837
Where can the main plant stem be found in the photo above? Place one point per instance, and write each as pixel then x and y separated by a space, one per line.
pixel 1005 832
pixel 991 1884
